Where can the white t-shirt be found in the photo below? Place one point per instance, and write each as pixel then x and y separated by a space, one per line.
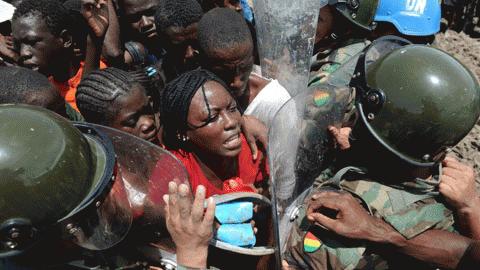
pixel 268 101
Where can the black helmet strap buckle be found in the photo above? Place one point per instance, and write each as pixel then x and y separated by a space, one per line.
pixel 16 235
pixel 373 100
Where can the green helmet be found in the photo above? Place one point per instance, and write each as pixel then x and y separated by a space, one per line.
pixel 359 12
pixel 49 172
pixel 416 101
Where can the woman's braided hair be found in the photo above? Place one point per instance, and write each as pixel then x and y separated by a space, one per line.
pixel 176 100
pixel 98 91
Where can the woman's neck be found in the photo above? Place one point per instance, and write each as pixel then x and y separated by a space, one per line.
pixel 217 169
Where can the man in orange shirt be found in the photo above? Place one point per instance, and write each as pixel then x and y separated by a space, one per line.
pixel 41 30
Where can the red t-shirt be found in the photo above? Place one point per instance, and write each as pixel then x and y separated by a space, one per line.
pixel 249 171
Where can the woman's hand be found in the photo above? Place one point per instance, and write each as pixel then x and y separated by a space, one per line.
pixel 95 13
pixel 457 185
pixel 254 130
pixel 189 227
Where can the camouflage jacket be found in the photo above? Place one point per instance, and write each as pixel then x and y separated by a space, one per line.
pixel 330 62
pixel 311 247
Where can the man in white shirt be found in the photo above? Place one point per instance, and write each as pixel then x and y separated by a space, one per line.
pixel 227 50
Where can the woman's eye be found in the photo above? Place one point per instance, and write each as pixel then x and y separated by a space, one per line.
pixel 212 118
pixel 233 109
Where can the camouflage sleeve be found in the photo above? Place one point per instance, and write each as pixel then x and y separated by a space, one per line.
pixel 312 247
pixel 423 215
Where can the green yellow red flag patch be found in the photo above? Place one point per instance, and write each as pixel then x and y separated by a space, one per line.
pixel 311 243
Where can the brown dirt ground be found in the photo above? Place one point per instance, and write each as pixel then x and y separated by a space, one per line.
pixel 467 50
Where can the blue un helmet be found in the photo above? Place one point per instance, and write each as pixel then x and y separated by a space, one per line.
pixel 411 17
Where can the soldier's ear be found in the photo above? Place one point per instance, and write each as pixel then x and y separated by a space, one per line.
pixel 67 39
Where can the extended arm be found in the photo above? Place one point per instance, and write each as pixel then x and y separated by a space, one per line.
pixel 439 248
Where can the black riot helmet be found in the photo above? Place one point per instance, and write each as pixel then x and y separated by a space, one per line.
pixel 415 101
pixel 55 176
pixel 359 12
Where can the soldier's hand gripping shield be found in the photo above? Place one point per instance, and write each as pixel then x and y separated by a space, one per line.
pixel 60 181
pixel 286 36
pixel 300 145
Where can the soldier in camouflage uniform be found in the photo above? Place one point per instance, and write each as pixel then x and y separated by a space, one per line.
pixel 406 124
pixel 342 29
pixel 416 23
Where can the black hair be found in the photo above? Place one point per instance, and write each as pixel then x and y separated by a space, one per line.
pixel 20 84
pixel 222 28
pixel 98 91
pixel 177 13
pixel 176 99
pixel 56 16
pixel 211 4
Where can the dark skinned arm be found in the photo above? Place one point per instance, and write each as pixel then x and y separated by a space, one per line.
pixel 112 47
pixel 471 258
pixel 96 14
pixel 439 248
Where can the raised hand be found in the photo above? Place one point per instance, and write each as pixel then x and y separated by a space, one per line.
pixel 7 49
pixel 95 13
pixel 189 226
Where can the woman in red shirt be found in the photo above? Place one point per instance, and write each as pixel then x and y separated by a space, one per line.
pixel 201 123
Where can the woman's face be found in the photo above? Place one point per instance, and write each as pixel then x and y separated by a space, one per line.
pixel 135 115
pixel 221 136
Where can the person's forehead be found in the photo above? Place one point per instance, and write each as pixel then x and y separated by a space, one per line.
pixel 133 101
pixel 217 96
pixel 234 56
pixel 138 6
pixel 30 25
pixel 180 34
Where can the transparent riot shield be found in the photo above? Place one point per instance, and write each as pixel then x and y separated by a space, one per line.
pixel 146 170
pixel 140 179
pixel 286 36
pixel 300 146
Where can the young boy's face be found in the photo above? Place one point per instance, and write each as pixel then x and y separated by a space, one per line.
pixel 37 46
pixel 233 66
pixel 181 44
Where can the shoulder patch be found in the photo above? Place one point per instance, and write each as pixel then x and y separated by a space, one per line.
pixel 321 98
pixel 311 243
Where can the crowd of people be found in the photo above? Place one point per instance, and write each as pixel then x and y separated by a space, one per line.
pixel 183 77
